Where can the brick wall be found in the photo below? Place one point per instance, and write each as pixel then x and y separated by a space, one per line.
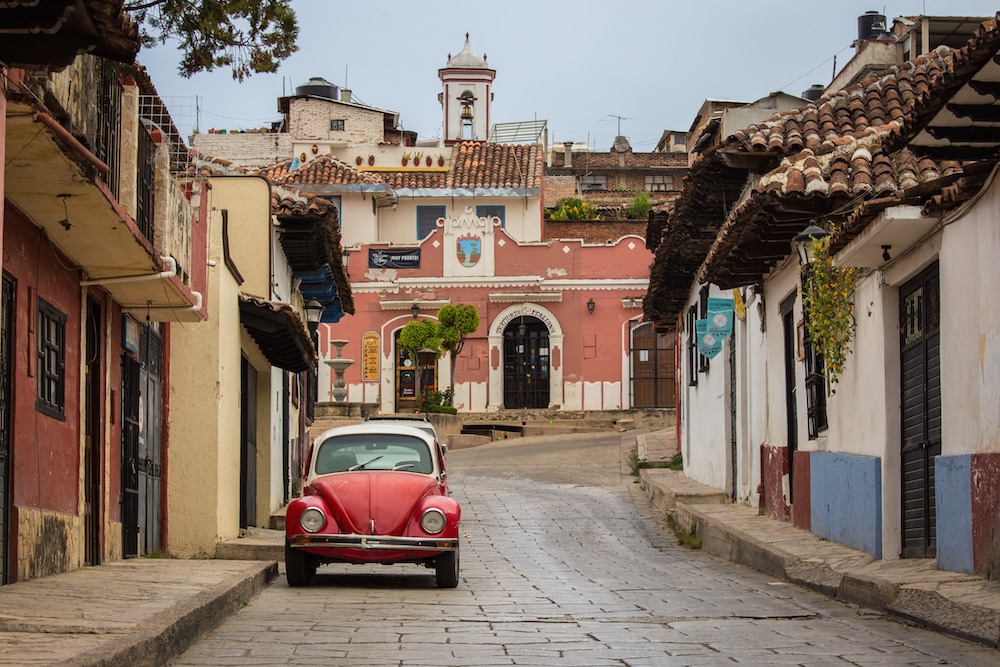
pixel 310 119
pixel 558 187
pixel 593 231
pixel 247 149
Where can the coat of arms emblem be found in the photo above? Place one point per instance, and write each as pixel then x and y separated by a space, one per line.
pixel 469 248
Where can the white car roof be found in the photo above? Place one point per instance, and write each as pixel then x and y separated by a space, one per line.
pixel 379 426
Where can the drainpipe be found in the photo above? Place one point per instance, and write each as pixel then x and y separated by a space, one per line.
pixel 144 310
pixel 169 273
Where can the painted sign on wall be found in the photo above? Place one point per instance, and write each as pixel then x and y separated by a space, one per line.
pixel 370 367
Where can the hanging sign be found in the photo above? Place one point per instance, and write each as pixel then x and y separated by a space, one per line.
pixel 720 318
pixel 709 345
pixel 393 259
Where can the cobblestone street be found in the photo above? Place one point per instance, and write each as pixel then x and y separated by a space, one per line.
pixel 563 572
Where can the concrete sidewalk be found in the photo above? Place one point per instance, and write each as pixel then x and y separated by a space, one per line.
pixel 913 589
pixel 135 612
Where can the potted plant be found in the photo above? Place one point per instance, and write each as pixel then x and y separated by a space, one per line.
pixel 440 160
pixel 428 161
pixel 406 159
pixel 417 157
pixel 371 160
pixel 358 160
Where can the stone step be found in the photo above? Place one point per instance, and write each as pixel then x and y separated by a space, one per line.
pixel 253 544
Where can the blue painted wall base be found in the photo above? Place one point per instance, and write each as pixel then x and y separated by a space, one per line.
pixel 847 500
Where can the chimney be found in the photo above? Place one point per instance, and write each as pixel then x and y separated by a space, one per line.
pixel 567 154
pixel 345 94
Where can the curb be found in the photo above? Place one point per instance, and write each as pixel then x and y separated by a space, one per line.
pixel 961 605
pixel 155 642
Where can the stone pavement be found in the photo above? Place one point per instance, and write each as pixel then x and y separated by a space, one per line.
pixel 128 613
pixel 147 611
pixel 911 589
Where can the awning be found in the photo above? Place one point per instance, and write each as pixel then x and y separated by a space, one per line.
pixel 279 332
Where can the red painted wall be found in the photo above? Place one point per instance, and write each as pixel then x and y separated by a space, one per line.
pixel 986 514
pixel 773 467
pixel 801 491
pixel 592 346
pixel 45 457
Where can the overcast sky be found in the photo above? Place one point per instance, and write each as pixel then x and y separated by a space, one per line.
pixel 587 67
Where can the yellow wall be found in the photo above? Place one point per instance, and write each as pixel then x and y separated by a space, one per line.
pixel 203 495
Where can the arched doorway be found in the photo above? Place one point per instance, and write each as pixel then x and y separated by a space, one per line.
pixel 526 364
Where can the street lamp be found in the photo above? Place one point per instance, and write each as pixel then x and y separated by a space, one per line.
pixel 803 242
pixel 415 310
pixel 314 312
pixel 590 306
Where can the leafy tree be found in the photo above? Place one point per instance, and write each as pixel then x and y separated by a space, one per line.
pixel 418 335
pixel 456 323
pixel 250 36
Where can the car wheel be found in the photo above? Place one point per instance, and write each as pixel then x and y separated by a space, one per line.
pixel 299 566
pixel 446 569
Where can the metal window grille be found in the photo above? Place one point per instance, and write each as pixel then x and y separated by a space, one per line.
pixel 51 376
pixel 109 125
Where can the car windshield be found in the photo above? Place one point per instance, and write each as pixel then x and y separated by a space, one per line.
pixel 373 451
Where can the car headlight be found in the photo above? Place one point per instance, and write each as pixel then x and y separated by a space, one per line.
pixel 312 519
pixel 433 521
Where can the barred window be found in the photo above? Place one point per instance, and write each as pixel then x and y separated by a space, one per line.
pixel 339 124
pixel 51 372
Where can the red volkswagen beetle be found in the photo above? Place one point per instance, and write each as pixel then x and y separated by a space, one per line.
pixel 375 493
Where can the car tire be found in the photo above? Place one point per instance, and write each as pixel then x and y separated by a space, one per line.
pixel 446 569
pixel 299 566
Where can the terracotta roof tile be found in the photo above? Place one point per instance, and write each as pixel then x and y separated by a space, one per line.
pixel 324 169
pixel 476 164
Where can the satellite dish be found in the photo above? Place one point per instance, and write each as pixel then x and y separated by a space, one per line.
pixel 621 145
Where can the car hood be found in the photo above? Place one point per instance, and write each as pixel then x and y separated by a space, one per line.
pixel 387 498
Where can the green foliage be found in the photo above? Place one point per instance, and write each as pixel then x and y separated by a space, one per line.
pixel 418 335
pixel 456 322
pixel 828 304
pixel 640 207
pixel 248 36
pixel 573 208
pixel 437 401
pixel 686 538
pixel 635 463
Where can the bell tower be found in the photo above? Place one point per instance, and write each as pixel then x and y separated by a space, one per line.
pixel 465 100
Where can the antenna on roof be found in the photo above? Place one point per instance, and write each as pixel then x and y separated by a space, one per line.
pixel 620 119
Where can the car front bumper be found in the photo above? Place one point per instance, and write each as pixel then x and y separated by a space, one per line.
pixel 372 542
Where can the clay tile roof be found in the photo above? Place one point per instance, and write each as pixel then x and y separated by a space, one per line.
pixel 476 164
pixel 859 138
pixel 292 203
pixel 325 169
pixel 52 33
pixel 415 179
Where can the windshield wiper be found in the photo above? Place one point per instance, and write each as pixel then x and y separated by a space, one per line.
pixel 361 466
